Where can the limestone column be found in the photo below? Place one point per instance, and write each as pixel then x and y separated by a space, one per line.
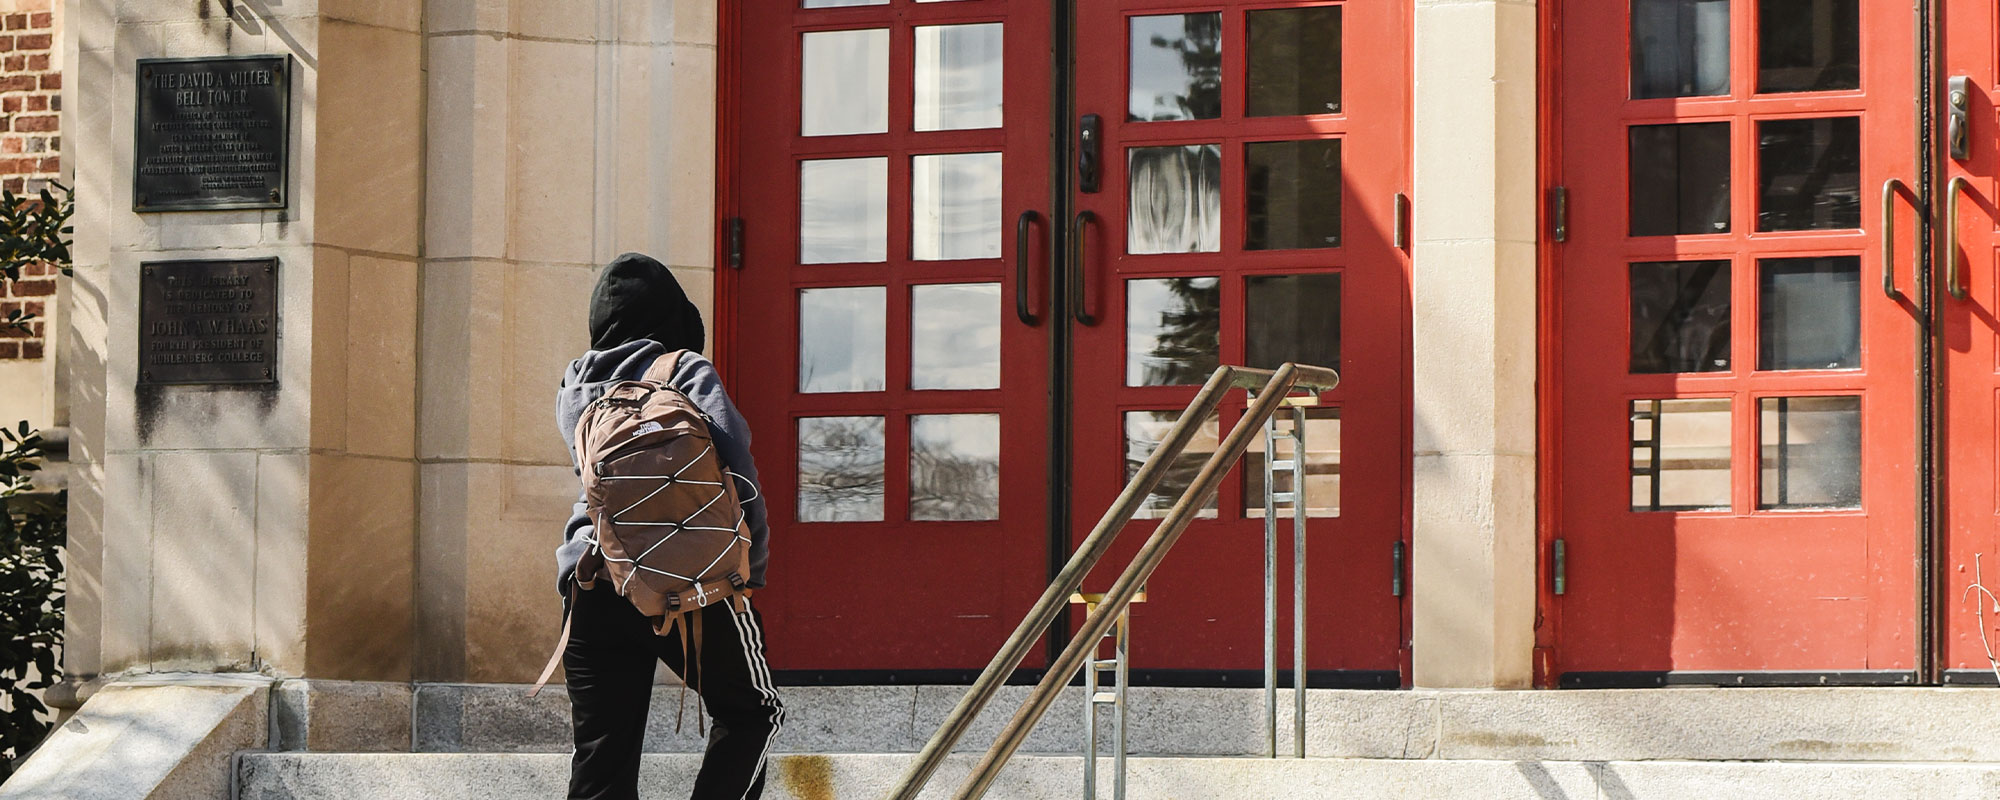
pixel 1473 295
pixel 561 133
pixel 255 529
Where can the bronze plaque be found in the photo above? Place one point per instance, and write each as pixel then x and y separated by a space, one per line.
pixel 208 322
pixel 212 133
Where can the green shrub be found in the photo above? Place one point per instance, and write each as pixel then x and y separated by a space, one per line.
pixel 31 594
pixel 33 527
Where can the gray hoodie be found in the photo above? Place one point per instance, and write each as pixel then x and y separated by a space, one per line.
pixel 588 377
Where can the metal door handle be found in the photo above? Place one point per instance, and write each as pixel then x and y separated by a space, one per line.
pixel 1022 224
pixel 1889 189
pixel 1951 192
pixel 1078 268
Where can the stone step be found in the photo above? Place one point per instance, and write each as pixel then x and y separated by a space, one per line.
pixel 1692 724
pixel 466 776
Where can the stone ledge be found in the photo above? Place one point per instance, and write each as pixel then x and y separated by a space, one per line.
pixel 159 736
pixel 821 777
pixel 1751 724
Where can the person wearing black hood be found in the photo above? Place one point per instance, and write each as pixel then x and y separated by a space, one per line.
pixel 638 313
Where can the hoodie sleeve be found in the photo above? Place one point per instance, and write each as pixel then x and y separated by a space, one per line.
pixel 697 378
pixel 577 532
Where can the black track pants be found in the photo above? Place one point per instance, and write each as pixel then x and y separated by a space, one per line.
pixel 609 667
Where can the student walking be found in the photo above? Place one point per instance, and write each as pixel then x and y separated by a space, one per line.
pixel 639 314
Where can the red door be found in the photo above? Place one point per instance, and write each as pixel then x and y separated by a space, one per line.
pixel 901 389
pixel 1251 158
pixel 883 154
pixel 1735 440
pixel 1969 362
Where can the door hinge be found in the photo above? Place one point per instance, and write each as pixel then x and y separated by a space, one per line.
pixel 733 247
pixel 1398 556
pixel 1559 567
pixel 1402 221
pixel 1559 213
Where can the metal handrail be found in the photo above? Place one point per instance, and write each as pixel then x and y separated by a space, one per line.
pixel 1272 386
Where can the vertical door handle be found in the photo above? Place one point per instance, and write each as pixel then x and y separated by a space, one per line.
pixel 1079 269
pixel 1022 226
pixel 1951 192
pixel 1889 189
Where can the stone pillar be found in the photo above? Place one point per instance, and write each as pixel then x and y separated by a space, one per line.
pixel 1474 287
pixel 561 133
pixel 263 529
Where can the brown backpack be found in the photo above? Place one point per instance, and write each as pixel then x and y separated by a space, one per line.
pixel 670 527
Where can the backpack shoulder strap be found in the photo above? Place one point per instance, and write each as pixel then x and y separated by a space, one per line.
pixel 661 371
pixel 562 643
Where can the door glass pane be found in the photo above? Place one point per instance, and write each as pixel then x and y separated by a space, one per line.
pixel 1292 318
pixel 955 336
pixel 1292 194
pixel 1175 199
pixel 1809 174
pixel 1680 179
pixel 1143 432
pixel 1808 45
pixel 841 339
pixel 1680 316
pixel 1680 454
pixel 1809 313
pixel 844 82
pixel 840 469
pixel 1680 48
pixel 1322 467
pixel 1811 453
pixel 1294 62
pixel 1176 67
pixel 838 3
pixel 843 210
pixel 955 466
pixel 1173 330
pixel 955 206
pixel 958 76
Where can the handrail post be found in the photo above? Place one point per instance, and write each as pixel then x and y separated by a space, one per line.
pixel 1270 588
pixel 1043 614
pixel 1300 509
pixel 1115 601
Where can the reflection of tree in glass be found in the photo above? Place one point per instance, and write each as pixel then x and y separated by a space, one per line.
pixel 1185 350
pixel 949 485
pixel 1143 431
pixel 840 469
pixel 1200 49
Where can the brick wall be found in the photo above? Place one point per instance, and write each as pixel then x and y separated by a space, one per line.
pixel 30 148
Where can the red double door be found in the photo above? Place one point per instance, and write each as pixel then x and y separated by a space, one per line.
pixel 1771 409
pixel 985 261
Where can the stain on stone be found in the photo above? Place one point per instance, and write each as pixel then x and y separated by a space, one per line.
pixel 1821 747
pixel 1492 739
pixel 149 404
pixel 807 777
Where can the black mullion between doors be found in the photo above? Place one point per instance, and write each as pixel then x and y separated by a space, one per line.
pixel 1062 39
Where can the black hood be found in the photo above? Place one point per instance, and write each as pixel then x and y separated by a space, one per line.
pixel 637 298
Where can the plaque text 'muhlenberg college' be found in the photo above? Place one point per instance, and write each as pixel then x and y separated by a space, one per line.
pixel 212 133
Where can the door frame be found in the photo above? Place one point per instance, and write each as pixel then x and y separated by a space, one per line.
pixel 1929 563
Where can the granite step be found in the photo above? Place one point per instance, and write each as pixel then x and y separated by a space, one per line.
pixel 465 776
